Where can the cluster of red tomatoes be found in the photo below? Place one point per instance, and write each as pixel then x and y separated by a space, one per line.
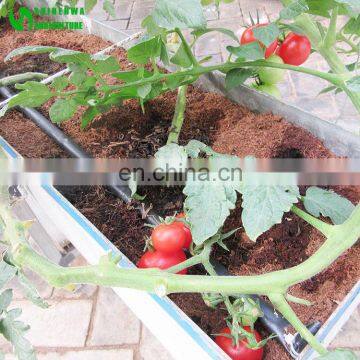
pixel 169 242
pixel 294 50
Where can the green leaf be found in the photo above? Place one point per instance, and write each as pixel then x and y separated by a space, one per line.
pixel 60 83
pixel 354 84
pixel 13 331
pixel 320 7
pixel 89 5
pixel 7 272
pixel 144 90
pixel 327 89
pixel 70 56
pixel 5 299
pixel 252 51
pixel 339 354
pixel 30 291
pixel 264 206
pixel 107 66
pixel 62 109
pixel 89 116
pixel 267 34
pixel 109 8
pixel 229 33
pixel 352 5
pixel 294 9
pixel 78 74
pixel 236 77
pixel 207 205
pixel 181 58
pixel 353 26
pixel 195 147
pixel 171 153
pixel 132 75
pixel 327 203
pixel 170 14
pixel 145 50
pixel 30 50
pixel 152 28
pixel 35 94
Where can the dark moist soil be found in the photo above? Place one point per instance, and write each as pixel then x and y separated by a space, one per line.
pixel 228 128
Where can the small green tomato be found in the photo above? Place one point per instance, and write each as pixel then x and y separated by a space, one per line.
pixel 269 75
pixel 270 89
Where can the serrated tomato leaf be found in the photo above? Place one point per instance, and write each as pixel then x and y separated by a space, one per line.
pixel 267 34
pixel 35 94
pixel 30 50
pixel 264 206
pixel 145 50
pixel 30 291
pixel 7 272
pixel 294 9
pixel 236 77
pixel 354 84
pixel 252 51
pixel 207 205
pixel 62 109
pixel 5 299
pixel 171 14
pixel 327 203
pixel 14 330
pixel 181 58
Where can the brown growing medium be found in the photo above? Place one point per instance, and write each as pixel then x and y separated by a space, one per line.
pixel 229 128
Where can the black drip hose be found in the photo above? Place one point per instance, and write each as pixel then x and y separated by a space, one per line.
pixel 273 321
pixel 65 142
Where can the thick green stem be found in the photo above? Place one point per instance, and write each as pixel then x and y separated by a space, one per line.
pixel 178 117
pixel 20 78
pixel 281 304
pixel 316 223
pixel 341 238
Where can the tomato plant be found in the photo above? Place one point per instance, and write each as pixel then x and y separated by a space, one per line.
pixel 161 260
pixel 239 349
pixel 168 238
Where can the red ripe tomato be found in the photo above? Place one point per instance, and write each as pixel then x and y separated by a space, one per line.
pixel 160 260
pixel 295 49
pixel 168 238
pixel 272 49
pixel 240 351
pixel 248 37
pixel 188 236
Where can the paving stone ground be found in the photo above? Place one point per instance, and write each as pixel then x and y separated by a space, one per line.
pixel 93 323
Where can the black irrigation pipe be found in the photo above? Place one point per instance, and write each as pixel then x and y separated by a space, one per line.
pixel 271 320
pixel 65 142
